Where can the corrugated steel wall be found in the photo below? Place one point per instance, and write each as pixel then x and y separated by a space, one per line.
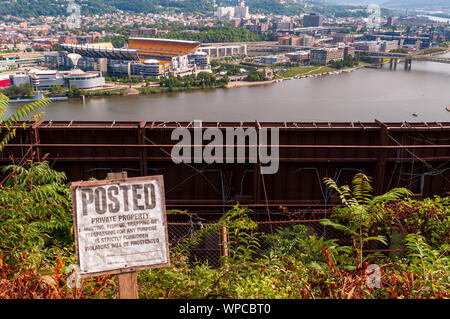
pixel 412 155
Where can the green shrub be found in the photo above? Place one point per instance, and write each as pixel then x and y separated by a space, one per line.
pixel 35 214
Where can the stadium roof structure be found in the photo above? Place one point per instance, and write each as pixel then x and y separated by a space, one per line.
pixel 139 49
pixel 100 45
pixel 102 52
pixel 162 49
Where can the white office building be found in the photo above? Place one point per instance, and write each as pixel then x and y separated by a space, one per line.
pixel 229 13
pixel 225 13
pixel 44 80
pixel 84 80
pixel 241 11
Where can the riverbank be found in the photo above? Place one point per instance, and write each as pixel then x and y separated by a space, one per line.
pixel 309 72
pixel 298 73
pixel 236 84
pixel 115 89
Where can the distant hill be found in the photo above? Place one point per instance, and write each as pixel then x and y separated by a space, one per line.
pixel 357 2
pixel 34 8
pixel 417 4
pixel 411 4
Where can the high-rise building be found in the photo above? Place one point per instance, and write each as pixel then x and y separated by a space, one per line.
pixel 241 11
pixel 312 20
pixel 303 40
pixel 225 13
pixel 284 26
pixel 367 46
pixel 343 38
pixel 229 13
pixel 390 21
pixel 325 55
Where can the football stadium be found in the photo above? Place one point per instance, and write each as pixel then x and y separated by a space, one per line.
pixel 143 57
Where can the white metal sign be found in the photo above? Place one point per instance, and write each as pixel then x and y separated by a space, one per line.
pixel 120 225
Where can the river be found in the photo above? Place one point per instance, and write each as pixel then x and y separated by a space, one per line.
pixel 363 95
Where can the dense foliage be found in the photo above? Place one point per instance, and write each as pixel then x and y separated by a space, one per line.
pixel 41 224
pixel 348 62
pixel 118 41
pixel 298 264
pixel 23 91
pixel 214 35
pixel 288 7
pixel 255 76
pixel 36 249
pixel 202 80
pixel 35 8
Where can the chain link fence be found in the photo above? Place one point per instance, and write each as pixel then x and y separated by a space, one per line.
pixel 211 246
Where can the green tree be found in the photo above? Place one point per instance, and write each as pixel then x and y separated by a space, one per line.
pixel 57 89
pixel 56 47
pixel 254 77
pixel 74 91
pixel 7 123
pixel 42 225
pixel 26 91
pixel 12 91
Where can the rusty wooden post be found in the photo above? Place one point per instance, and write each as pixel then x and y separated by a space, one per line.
pixel 381 158
pixel 143 152
pixel 128 287
pixel 36 138
pixel 224 241
pixel 257 171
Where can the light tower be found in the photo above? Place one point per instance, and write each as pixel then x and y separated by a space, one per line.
pixel 75 58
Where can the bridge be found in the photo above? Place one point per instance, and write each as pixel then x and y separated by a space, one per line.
pixel 416 57
pixel 408 58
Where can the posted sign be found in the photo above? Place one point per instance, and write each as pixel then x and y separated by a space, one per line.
pixel 120 225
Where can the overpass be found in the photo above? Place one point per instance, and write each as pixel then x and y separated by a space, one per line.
pixel 407 57
pixel 416 57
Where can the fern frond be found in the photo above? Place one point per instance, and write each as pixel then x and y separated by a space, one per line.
pixel 343 191
pixel 4 100
pixel 362 188
pixel 381 239
pixel 392 195
pixel 327 222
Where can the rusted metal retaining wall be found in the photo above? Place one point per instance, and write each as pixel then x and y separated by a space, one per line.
pixel 412 155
